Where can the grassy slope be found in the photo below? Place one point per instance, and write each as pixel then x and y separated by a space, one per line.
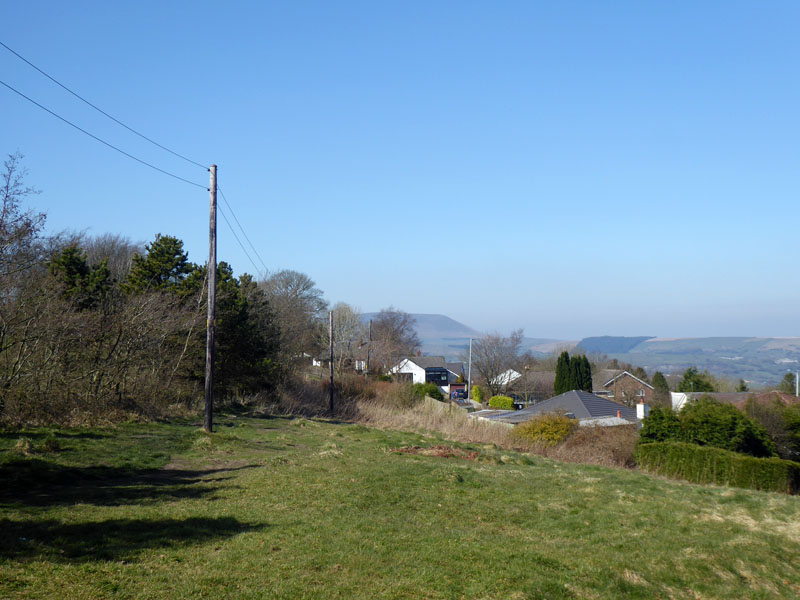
pixel 277 508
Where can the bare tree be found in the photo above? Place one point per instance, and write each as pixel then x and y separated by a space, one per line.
pixel 349 334
pixel 393 336
pixel 299 311
pixel 19 229
pixel 493 355
pixel 116 249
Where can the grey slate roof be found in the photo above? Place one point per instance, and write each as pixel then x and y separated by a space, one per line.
pixel 581 404
pixel 456 367
pixel 427 362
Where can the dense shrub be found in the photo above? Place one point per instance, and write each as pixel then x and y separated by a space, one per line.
pixel 661 425
pixel 501 402
pixel 703 464
pixel 477 394
pixel 782 423
pixel 547 430
pixel 708 423
pixel 428 389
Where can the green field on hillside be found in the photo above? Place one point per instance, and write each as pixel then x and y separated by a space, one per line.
pixel 294 508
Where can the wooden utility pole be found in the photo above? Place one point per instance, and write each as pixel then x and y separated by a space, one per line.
pixel 369 345
pixel 330 337
pixel 208 421
pixel 469 372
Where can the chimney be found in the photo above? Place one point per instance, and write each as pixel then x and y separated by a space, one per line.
pixel 619 414
pixel 642 410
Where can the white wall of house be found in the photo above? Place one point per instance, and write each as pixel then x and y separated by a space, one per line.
pixel 406 366
pixel 679 400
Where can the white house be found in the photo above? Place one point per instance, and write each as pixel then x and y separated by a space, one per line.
pixel 431 369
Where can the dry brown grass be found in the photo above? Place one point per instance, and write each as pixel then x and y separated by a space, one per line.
pixel 608 446
pixel 393 406
pixel 448 420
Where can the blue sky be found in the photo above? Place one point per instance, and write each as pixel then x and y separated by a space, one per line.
pixel 572 168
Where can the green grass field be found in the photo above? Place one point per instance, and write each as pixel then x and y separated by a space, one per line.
pixel 293 508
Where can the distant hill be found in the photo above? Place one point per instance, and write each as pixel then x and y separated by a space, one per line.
pixel 442 336
pixel 609 344
pixel 435 326
pixel 762 361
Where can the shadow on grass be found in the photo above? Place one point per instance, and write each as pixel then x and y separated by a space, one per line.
pixel 115 539
pixel 35 482
pixel 66 435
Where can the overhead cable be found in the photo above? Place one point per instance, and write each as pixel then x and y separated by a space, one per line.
pixel 266 270
pixel 258 271
pixel 100 110
pixel 139 160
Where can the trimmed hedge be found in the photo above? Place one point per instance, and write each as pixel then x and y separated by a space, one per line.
pixel 705 464
pixel 501 402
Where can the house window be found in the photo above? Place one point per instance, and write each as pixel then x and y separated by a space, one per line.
pixel 640 393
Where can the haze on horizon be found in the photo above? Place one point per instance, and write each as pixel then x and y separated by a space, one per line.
pixel 573 169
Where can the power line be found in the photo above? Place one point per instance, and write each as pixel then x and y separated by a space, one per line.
pixel 258 271
pixel 139 160
pixel 100 110
pixel 243 231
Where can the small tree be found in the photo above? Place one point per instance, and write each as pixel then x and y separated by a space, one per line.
pixel 661 387
pixel 694 381
pixel 788 384
pixel 640 373
pixel 476 394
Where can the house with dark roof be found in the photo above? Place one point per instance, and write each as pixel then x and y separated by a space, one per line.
pixel 427 369
pixel 587 408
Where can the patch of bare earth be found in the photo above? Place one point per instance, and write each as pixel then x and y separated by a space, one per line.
pixel 439 450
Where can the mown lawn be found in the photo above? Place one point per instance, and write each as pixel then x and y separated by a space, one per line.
pixel 292 508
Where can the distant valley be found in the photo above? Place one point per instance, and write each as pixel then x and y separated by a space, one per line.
pixel 760 360
pixel 756 359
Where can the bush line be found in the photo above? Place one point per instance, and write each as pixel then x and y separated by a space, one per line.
pixel 704 464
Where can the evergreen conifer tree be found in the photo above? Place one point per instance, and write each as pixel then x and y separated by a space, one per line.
pixel 661 386
pixel 561 383
pixel 575 373
pixel 164 266
pixel 586 374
